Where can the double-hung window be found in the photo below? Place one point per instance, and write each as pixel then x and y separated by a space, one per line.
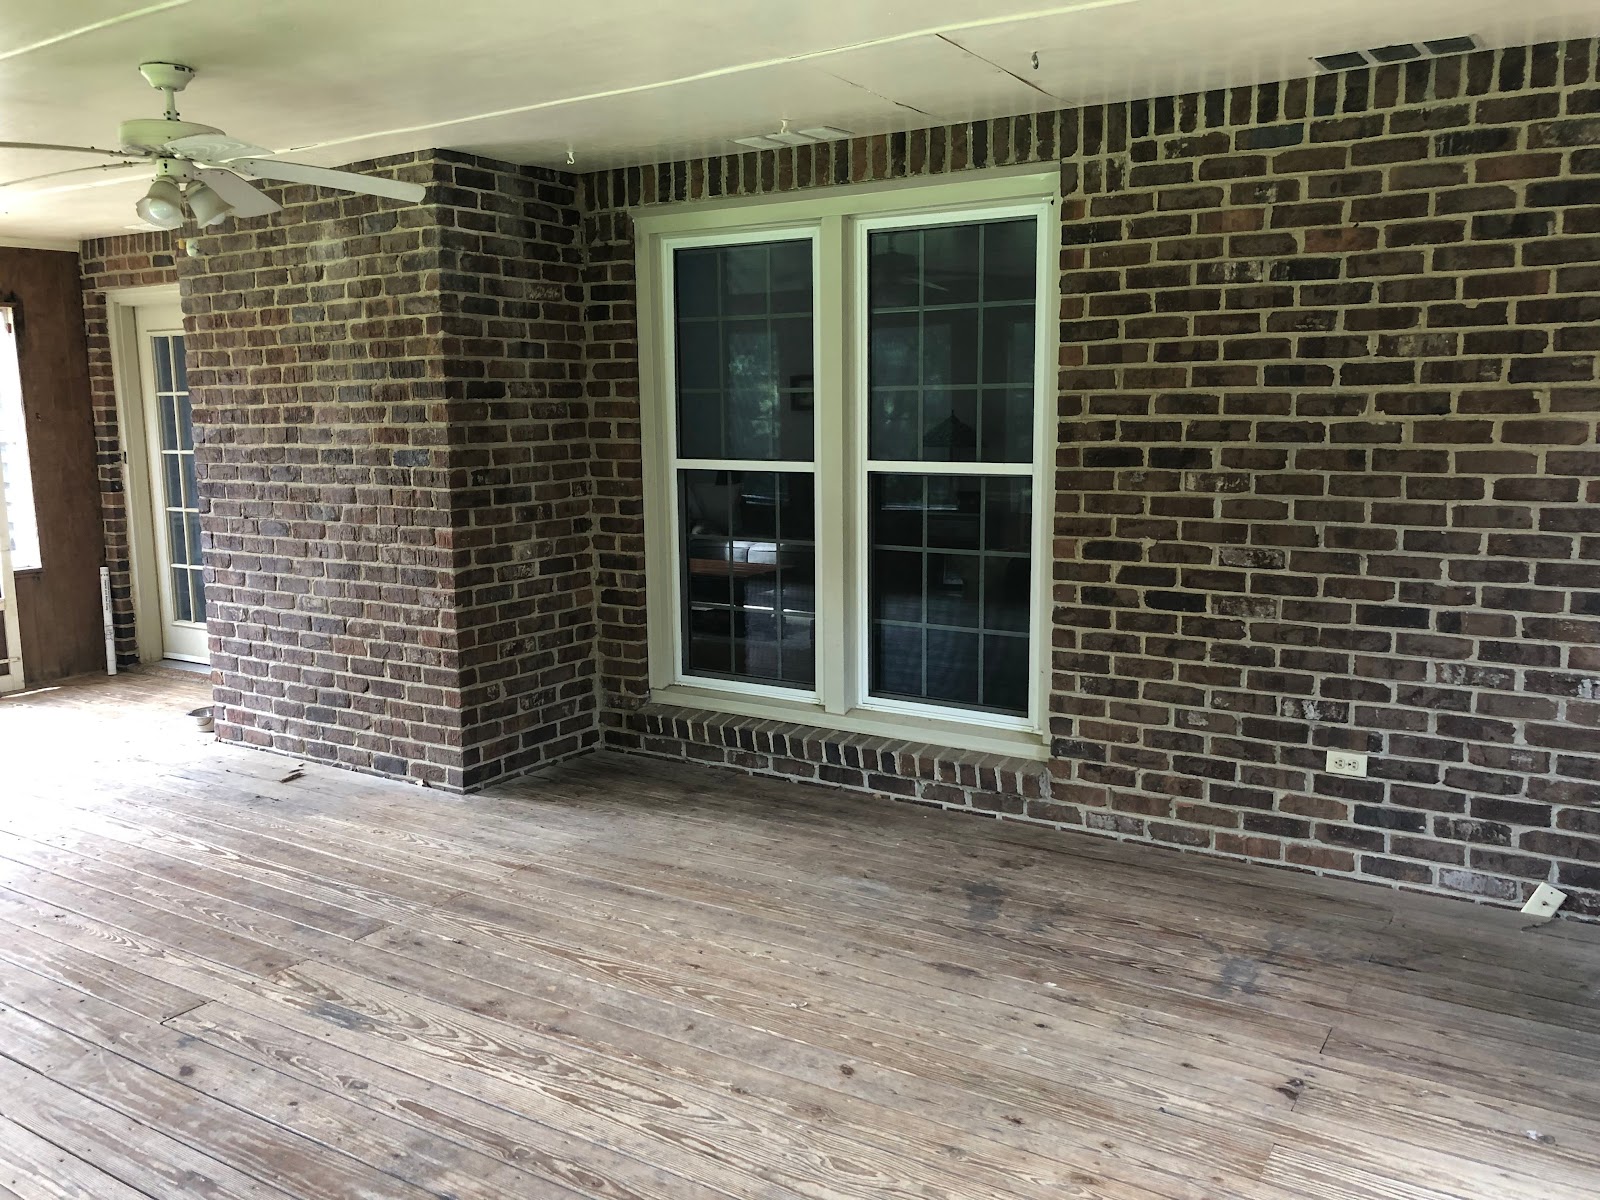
pixel 848 423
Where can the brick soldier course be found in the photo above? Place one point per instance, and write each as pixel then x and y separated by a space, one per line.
pixel 1328 473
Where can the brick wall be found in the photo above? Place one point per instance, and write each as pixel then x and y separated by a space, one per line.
pixel 512 326
pixel 391 483
pixel 1328 471
pixel 129 260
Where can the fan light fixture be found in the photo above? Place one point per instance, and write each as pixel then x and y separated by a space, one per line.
pixel 216 170
pixel 162 205
pixel 208 207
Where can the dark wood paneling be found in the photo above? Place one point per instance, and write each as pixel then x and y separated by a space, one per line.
pixel 58 608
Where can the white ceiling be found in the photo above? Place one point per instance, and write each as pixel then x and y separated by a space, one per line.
pixel 629 81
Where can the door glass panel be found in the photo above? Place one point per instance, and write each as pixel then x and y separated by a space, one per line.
pixel 180 500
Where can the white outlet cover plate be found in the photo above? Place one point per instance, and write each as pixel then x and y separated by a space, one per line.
pixel 1346 762
pixel 1544 901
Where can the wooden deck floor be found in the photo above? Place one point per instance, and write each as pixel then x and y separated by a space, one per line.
pixel 223 974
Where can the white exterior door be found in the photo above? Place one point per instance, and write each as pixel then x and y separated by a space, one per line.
pixel 11 678
pixel 174 498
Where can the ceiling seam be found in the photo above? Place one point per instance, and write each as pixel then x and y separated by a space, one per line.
pixel 120 19
pixel 720 72
pixel 989 61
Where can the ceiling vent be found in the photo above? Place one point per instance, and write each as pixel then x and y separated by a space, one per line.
pixel 1405 52
pixel 792 137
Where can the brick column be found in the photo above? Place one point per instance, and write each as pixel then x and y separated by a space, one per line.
pixel 393 494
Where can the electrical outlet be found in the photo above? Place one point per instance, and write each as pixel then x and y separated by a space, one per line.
pixel 1345 762
pixel 1544 901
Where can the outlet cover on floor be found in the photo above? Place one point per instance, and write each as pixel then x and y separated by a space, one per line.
pixel 1345 762
pixel 1544 901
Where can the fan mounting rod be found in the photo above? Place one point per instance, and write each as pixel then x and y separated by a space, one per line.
pixel 169 79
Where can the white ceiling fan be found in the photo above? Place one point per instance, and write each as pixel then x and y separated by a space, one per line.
pixel 200 168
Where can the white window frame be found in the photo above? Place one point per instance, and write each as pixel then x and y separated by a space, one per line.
pixel 839 220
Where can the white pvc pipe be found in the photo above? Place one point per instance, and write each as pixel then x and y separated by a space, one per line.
pixel 110 626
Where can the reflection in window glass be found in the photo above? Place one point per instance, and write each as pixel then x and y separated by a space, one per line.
pixel 743 331
pixel 16 472
pixel 749 575
pixel 949 584
pixel 950 337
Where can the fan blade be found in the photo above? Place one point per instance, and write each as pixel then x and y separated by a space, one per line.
pixel 70 149
pixel 246 201
pixel 344 181
pixel 213 148
pixel 116 166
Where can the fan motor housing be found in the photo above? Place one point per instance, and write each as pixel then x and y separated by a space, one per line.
pixel 151 134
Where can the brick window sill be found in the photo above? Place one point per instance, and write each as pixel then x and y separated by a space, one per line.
pixel 882 764
pixel 953 737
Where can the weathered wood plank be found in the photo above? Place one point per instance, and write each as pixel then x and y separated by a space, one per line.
pixel 32 1168
pixel 640 980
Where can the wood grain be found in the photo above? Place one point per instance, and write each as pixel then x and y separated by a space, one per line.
pixel 635 980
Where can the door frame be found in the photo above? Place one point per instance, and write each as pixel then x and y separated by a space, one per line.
pixel 134 448
pixel 17 678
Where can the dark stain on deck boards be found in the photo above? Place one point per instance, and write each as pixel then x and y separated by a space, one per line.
pixel 984 901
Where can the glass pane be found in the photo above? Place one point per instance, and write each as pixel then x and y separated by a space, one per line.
pixel 897 589
pixel 894 268
pixel 894 415
pixel 167 406
pixel 950 264
pixel 700 424
pixel 182 598
pixel 172 480
pixel 949 348
pixel 185 423
pixel 790 264
pixel 699 356
pixel 177 550
pixel 191 485
pixel 1008 345
pixel 745 360
pixel 748 575
pixel 951 327
pixel 953 667
pixel 744 280
pixel 163 349
pixel 897 660
pixel 950 583
pixel 894 358
pixel 180 366
pixel 949 426
pixel 1009 260
pixel 192 524
pixel 1005 673
pixel 1008 515
pixel 952 510
pixel 954 590
pixel 695 274
pixel 1007 425
pixel 197 594
pixel 1006 584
